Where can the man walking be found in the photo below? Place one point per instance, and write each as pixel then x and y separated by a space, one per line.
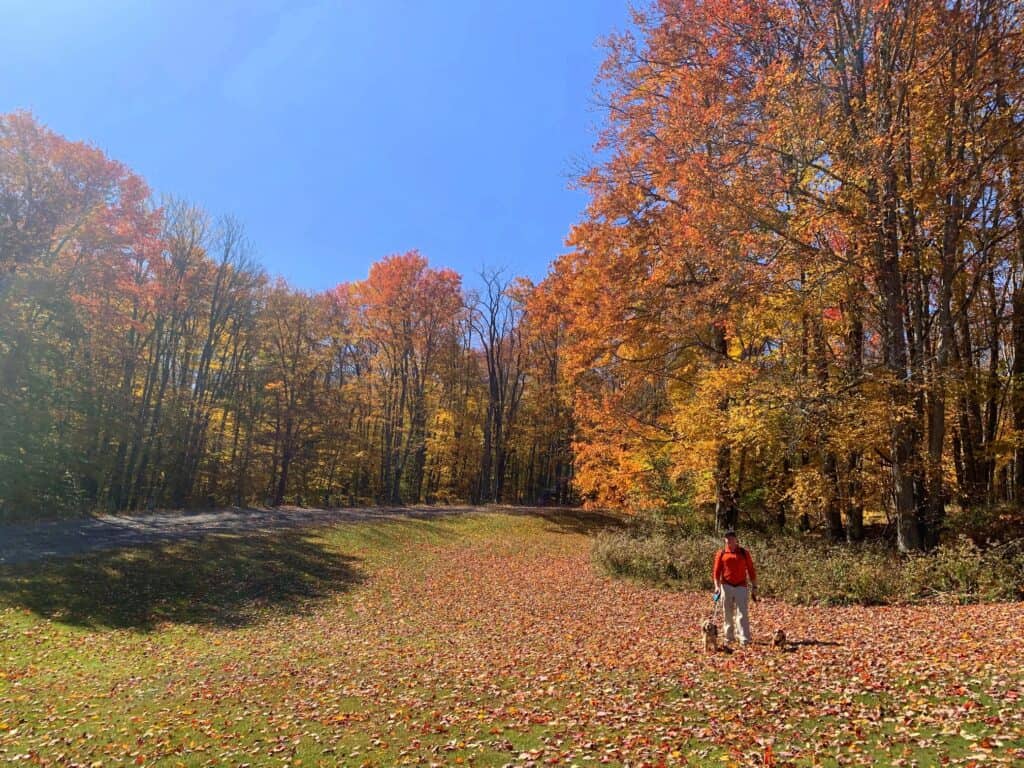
pixel 733 568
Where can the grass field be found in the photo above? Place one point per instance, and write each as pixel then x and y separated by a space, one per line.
pixel 480 640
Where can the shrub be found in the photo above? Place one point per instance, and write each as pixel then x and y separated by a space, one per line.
pixel 963 572
pixel 999 522
pixel 805 570
pixel 641 557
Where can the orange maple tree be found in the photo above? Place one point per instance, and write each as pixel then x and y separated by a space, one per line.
pixel 794 272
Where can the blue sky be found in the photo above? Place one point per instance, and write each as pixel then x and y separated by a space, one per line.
pixel 337 132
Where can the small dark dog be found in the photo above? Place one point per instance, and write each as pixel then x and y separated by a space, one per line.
pixel 709 636
pixel 779 639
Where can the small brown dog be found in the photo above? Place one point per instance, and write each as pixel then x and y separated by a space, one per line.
pixel 779 639
pixel 709 636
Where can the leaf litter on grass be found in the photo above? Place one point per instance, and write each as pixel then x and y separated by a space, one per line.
pixel 491 641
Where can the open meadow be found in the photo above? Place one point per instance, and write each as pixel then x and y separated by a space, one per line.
pixel 482 639
pixel 322 324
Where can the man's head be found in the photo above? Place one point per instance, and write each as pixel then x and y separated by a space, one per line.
pixel 731 542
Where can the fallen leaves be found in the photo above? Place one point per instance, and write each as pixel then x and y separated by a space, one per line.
pixel 501 645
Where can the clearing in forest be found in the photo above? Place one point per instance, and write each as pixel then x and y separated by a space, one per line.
pixel 484 639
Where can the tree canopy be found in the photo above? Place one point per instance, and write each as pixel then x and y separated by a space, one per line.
pixel 798 288
pixel 800 274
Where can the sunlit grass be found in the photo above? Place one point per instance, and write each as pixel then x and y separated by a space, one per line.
pixel 478 640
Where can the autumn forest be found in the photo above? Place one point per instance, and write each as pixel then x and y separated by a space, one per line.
pixel 401 435
pixel 796 294
pixel 148 361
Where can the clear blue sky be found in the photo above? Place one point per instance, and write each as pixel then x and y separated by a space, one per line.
pixel 337 132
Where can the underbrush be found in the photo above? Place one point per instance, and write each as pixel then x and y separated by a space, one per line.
pixel 806 570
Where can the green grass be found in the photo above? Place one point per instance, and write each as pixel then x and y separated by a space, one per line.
pixel 125 637
pixel 480 640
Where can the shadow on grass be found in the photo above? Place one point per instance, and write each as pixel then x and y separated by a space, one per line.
pixel 219 580
pixel 575 520
pixel 813 642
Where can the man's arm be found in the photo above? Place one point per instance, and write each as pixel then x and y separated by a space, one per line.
pixel 716 571
pixel 751 572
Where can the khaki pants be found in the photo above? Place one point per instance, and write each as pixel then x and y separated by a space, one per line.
pixel 734 603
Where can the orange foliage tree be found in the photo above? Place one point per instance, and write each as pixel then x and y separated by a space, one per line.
pixel 792 284
pixel 146 360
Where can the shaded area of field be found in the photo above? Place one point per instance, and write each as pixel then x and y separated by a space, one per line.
pixel 27 542
pixel 481 639
pixel 221 579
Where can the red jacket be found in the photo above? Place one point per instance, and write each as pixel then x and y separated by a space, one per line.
pixel 733 568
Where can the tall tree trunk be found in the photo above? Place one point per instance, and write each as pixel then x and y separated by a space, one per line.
pixel 1017 371
pixel 726 510
pixel 854 369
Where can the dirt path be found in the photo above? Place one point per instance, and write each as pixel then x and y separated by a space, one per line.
pixel 27 542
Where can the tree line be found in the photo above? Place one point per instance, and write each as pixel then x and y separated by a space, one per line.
pixel 146 360
pixel 797 291
pixel 799 285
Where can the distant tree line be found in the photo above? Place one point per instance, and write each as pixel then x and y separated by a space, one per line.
pixel 146 360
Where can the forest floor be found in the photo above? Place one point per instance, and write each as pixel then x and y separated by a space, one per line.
pixel 471 639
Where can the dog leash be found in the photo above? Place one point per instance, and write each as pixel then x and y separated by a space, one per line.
pixel 716 600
